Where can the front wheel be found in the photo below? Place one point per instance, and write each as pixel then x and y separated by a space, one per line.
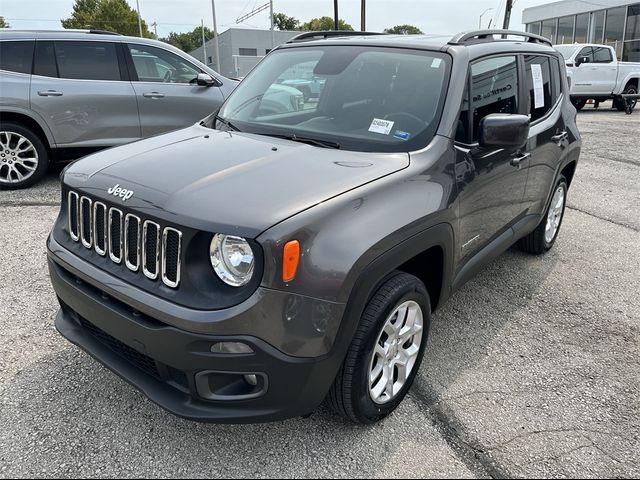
pixel 386 352
pixel 544 236
pixel 579 103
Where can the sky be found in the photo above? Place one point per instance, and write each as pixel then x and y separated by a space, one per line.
pixel 431 16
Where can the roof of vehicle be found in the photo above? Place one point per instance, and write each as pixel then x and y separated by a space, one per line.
pixel 14 34
pixel 479 43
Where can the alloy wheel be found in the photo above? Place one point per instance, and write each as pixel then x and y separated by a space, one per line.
pixel 554 217
pixel 18 158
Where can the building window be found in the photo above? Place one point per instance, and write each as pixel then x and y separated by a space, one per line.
pixel 597 27
pixel 534 28
pixel 249 52
pixel 549 29
pixel 565 29
pixel 614 28
pixel 631 51
pixel 209 60
pixel 582 25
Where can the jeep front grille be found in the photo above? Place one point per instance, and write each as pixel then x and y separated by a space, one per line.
pixel 141 245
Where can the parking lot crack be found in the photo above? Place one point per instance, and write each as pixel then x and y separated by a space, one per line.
pixel 620 224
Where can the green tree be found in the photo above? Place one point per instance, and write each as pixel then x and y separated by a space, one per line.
pixel 189 41
pixel 324 24
pixel 285 22
pixel 4 23
pixel 112 15
pixel 404 30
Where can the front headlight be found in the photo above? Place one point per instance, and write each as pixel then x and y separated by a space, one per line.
pixel 232 259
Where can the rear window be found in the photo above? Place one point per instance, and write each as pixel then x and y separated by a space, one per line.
pixel 87 60
pixel 16 56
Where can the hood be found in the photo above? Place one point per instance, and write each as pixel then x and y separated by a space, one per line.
pixel 227 182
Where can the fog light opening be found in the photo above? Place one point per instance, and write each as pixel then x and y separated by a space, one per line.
pixel 231 348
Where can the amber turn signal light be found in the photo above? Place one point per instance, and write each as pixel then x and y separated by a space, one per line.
pixel 290 258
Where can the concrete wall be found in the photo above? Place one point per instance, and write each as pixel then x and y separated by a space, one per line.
pixel 231 41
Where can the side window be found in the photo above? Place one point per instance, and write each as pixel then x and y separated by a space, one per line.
pixel 602 55
pixel 494 89
pixel 16 56
pixel 158 65
pixel 538 81
pixel 87 60
pixel 44 63
pixel 586 52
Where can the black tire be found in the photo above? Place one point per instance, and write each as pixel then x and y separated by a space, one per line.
pixel 536 242
pixel 349 396
pixel 41 149
pixel 622 105
pixel 579 104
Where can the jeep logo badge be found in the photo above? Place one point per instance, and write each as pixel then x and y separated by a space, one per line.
pixel 118 191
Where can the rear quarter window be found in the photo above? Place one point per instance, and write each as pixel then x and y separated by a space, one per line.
pixel 16 56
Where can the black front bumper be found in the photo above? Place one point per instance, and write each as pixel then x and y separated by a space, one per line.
pixel 164 361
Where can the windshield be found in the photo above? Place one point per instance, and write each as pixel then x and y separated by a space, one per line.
pixel 354 98
pixel 566 51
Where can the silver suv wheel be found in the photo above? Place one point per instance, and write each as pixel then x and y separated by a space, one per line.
pixel 554 217
pixel 18 158
pixel 396 352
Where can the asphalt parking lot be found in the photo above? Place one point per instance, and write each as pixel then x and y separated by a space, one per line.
pixel 532 369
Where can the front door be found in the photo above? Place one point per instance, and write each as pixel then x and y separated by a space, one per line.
pixel 79 89
pixel 166 87
pixel 491 181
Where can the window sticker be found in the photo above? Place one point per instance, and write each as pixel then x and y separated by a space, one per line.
pixel 400 135
pixel 436 63
pixel 381 126
pixel 538 85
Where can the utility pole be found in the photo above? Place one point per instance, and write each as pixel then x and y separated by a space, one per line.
pixel 216 47
pixel 481 15
pixel 139 17
pixel 507 15
pixel 204 44
pixel 336 22
pixel 273 40
pixel 363 16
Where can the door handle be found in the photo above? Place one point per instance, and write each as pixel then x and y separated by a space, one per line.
pixel 49 93
pixel 516 161
pixel 153 95
pixel 561 137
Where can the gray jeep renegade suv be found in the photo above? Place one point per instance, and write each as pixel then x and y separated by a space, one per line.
pixel 249 267
pixel 67 92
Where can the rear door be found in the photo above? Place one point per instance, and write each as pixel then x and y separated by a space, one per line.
pixel 81 89
pixel 605 70
pixel 167 91
pixel 548 135
pixel 491 181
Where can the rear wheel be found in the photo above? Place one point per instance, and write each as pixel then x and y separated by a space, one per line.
pixel 23 157
pixel 544 236
pixel 623 105
pixel 386 352
pixel 579 103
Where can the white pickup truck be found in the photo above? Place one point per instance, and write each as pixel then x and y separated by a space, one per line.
pixel 595 73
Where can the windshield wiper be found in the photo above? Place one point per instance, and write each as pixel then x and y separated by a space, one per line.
pixel 310 141
pixel 227 123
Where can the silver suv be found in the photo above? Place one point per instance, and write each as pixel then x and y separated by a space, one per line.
pixel 68 92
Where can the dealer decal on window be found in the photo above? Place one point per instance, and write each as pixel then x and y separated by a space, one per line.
pixel 381 126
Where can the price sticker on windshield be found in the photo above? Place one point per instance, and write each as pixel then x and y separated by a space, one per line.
pixel 383 127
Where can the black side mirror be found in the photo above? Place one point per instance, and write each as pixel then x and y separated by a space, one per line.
pixel 206 80
pixel 503 130
pixel 581 60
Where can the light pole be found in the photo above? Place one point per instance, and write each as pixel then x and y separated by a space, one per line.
pixel 215 36
pixel 139 17
pixel 336 16
pixel 481 15
pixel 363 15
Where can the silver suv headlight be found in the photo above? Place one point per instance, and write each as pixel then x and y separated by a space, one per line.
pixel 232 259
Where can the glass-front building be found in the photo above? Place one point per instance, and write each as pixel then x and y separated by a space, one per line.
pixel 588 22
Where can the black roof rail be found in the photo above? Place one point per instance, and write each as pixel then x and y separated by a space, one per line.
pixel 478 36
pixel 309 36
pixel 103 32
